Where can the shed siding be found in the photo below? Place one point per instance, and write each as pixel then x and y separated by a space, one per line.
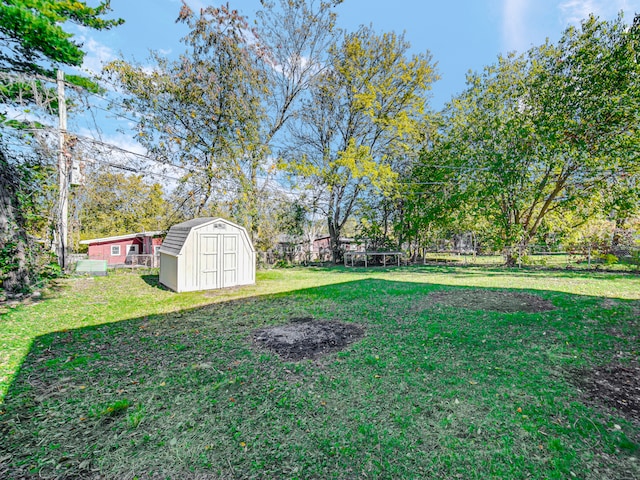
pixel 190 264
pixel 169 271
pixel 210 253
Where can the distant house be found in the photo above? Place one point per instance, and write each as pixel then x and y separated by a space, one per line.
pixel 294 249
pixel 323 244
pixel 125 249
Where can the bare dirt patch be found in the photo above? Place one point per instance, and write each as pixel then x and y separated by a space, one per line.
pixel 305 337
pixel 616 385
pixel 492 300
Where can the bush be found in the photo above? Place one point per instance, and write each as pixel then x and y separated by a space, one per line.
pixel 282 264
pixel 531 260
pixel 608 259
pixel 50 271
pixel 634 258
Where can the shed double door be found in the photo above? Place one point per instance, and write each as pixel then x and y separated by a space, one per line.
pixel 218 255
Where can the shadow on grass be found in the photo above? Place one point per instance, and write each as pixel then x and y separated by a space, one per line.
pixel 154 281
pixel 480 271
pixel 432 390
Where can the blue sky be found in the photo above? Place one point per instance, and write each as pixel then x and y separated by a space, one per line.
pixel 461 35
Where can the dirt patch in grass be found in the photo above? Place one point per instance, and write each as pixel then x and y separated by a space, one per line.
pixel 492 300
pixel 616 385
pixel 305 337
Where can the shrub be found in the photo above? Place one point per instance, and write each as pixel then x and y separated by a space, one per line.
pixel 609 259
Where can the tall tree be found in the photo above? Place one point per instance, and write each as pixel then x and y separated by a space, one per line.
pixel 34 42
pixel 33 37
pixel 218 110
pixel 204 110
pixel 544 131
pixel 364 112
pixel 296 37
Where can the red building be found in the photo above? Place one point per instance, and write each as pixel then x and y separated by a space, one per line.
pixel 132 249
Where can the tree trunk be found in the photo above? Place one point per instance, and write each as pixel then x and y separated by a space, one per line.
pixel 14 243
pixel 510 258
pixel 334 240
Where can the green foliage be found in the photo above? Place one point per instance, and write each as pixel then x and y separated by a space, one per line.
pixel 595 235
pixel 51 270
pixel 116 204
pixel 375 227
pixel 609 259
pixel 364 111
pixel 283 264
pixel 135 417
pixel 26 203
pixel 541 133
pixel 292 218
pixel 112 409
pixel 216 111
pixel 635 258
pixel 85 83
pixel 33 31
pixel 34 41
pixel 8 258
pixel 205 109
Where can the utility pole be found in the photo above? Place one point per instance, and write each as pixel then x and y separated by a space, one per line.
pixel 63 176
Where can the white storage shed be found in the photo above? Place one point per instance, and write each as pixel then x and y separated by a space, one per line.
pixel 206 254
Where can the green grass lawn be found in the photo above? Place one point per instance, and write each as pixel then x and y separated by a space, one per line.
pixel 114 377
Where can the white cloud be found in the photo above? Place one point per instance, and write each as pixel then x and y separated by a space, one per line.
pixel 96 56
pixel 128 154
pixel 165 52
pixel 514 31
pixel 573 11
pixel 195 5
pixel 528 22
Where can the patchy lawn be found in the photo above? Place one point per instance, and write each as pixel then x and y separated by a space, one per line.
pixel 326 373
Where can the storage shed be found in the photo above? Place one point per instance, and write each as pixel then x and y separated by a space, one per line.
pixel 206 254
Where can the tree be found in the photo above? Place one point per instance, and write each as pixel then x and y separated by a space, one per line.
pixel 296 36
pixel 217 111
pixel 544 131
pixel 204 110
pixel 363 112
pixel 116 204
pixel 34 38
pixel 33 43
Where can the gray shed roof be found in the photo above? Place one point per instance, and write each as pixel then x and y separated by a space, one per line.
pixel 174 241
pixel 177 236
pixel 195 222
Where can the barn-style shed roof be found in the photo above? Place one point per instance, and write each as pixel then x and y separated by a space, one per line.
pixel 178 233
